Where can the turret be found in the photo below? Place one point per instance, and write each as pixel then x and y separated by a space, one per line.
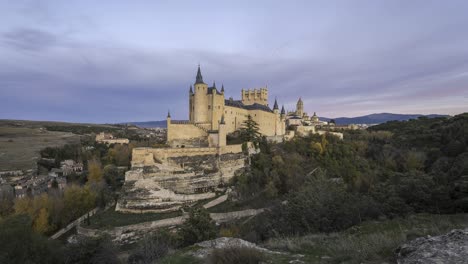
pixel 199 78
pixel 315 118
pixel 275 107
pixel 191 98
pixel 200 100
pixel 283 112
pixel 222 88
pixel 168 125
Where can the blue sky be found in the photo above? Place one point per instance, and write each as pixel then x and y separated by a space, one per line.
pixel 115 61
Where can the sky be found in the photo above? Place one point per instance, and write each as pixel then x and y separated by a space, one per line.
pixel 118 61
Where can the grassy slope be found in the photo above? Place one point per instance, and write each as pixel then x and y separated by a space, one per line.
pixel 369 242
pixel 111 218
pixel 20 146
pixel 21 141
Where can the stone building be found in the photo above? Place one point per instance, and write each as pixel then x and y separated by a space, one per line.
pixel 212 116
pixel 300 118
pixel 110 139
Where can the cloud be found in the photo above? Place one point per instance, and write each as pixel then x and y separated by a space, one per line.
pixel 29 39
pixel 342 59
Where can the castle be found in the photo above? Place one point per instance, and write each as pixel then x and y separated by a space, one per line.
pixel 198 161
pixel 212 116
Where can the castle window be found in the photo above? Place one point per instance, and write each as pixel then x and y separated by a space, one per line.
pixel 209 107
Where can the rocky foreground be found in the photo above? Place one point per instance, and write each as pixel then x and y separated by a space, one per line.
pixel 449 248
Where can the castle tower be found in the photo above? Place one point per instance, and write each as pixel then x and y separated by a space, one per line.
pixel 254 96
pixel 200 100
pixel 315 118
pixel 222 133
pixel 275 107
pixel 191 104
pixel 168 125
pixel 300 108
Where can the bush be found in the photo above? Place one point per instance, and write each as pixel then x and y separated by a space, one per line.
pixel 92 250
pixel 153 247
pixel 198 227
pixel 20 244
pixel 235 255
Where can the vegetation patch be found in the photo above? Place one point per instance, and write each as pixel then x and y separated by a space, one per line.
pixel 111 218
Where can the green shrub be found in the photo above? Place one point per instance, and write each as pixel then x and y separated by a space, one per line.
pixel 198 227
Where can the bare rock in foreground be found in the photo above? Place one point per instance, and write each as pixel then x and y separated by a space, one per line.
pixel 226 242
pixel 448 248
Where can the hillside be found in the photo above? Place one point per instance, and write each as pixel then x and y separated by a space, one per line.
pixel 21 140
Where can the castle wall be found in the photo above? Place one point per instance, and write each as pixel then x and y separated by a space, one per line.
pixel 305 130
pixel 266 121
pixel 234 118
pixel 150 156
pixel 184 131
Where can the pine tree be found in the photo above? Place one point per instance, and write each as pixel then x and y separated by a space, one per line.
pixel 249 131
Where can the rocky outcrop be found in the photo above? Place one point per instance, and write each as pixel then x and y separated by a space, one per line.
pixel 166 184
pixel 206 247
pixel 450 248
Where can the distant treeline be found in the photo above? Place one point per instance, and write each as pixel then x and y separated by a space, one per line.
pixel 82 129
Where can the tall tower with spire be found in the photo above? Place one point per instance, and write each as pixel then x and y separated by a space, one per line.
pixel 198 112
pixel 300 108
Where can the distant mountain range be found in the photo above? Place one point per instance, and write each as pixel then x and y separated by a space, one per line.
pixel 367 119
pixel 377 118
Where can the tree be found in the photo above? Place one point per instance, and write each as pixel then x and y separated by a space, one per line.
pixel 153 247
pixel 94 171
pixel 91 250
pixel 20 244
pixel 198 227
pixel 77 201
pixel 249 131
pixel 6 200
pixel 111 174
pixel 41 223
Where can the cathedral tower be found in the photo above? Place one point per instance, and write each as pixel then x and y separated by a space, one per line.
pixel 300 108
